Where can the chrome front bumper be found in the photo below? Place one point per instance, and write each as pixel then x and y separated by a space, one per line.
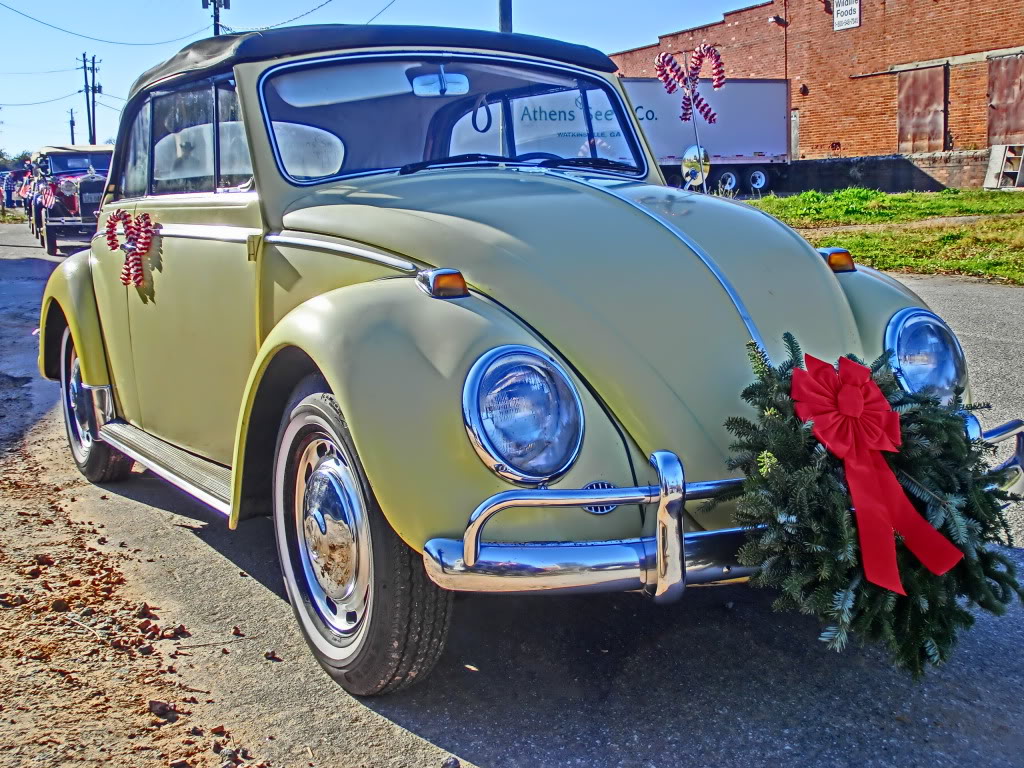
pixel 660 565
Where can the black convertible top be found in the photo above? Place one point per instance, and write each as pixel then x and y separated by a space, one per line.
pixel 221 53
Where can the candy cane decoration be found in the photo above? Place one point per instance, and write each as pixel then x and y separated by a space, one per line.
pixel 138 239
pixel 672 74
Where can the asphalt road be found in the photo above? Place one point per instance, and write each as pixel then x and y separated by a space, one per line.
pixel 717 679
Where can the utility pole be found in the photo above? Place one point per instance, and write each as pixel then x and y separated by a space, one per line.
pixel 95 89
pixel 217 5
pixel 505 15
pixel 88 100
pixel 72 123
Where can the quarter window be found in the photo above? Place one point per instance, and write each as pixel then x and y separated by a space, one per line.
pixel 183 153
pixel 235 166
pixel 135 173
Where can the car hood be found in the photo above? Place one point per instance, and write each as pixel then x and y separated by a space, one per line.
pixel 598 268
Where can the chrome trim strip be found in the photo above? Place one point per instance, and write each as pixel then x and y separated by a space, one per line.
pixel 473 420
pixel 220 233
pixel 220 505
pixel 709 263
pixel 345 250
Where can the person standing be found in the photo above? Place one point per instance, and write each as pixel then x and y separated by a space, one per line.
pixel 8 189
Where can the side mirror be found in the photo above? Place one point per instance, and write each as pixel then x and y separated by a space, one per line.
pixel 695 165
pixel 441 84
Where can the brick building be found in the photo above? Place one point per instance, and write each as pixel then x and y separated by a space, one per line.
pixel 914 76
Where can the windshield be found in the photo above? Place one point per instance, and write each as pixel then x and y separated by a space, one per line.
pixel 100 161
pixel 332 119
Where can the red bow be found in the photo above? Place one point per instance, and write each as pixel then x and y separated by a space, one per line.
pixel 853 420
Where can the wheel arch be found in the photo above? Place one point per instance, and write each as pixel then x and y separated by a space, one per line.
pixel 69 302
pixel 396 360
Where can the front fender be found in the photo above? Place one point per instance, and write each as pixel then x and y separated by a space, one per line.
pixel 69 289
pixel 874 298
pixel 396 360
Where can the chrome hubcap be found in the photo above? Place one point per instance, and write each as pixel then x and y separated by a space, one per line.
pixel 78 403
pixel 334 537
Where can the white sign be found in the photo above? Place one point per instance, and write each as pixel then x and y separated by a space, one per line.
pixel 845 14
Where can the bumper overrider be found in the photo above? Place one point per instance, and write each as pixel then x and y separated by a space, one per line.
pixel 660 566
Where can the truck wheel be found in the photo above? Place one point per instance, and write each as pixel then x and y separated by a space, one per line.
pixel 372 618
pixel 31 219
pixel 757 180
pixel 724 181
pixel 48 242
pixel 95 459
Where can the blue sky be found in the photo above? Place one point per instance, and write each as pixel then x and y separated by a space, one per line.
pixel 31 47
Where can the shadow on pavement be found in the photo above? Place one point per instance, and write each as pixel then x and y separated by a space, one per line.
pixel 608 680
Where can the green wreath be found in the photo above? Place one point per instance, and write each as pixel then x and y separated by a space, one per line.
pixel 802 535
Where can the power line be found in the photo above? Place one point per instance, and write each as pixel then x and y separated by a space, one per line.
pixel 104 104
pixel 113 96
pixel 44 72
pixel 100 39
pixel 378 13
pixel 281 23
pixel 47 101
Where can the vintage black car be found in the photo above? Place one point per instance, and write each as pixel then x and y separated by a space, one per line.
pixel 66 194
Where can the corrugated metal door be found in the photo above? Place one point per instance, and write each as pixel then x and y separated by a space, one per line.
pixel 922 110
pixel 1006 100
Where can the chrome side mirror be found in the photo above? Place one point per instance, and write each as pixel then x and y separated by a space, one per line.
pixel 696 165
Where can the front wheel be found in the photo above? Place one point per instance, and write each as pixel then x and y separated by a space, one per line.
pixel 372 618
pixel 95 459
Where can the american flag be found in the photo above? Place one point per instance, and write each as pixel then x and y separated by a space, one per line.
pixel 48 196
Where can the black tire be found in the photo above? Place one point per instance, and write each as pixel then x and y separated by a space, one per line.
pixel 96 460
pixel 31 216
pixel 757 180
pixel 48 241
pixel 724 181
pixel 373 634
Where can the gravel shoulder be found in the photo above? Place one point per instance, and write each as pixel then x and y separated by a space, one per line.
pixel 595 681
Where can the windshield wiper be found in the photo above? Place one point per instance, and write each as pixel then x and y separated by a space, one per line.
pixel 469 157
pixel 587 162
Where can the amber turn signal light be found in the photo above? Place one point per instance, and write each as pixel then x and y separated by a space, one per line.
pixel 443 283
pixel 838 259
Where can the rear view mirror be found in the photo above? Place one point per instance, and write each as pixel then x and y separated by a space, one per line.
pixel 441 84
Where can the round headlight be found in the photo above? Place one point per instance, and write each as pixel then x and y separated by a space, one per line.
pixel 926 356
pixel 68 187
pixel 523 414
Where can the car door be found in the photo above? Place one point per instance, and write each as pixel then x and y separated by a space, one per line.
pixel 127 188
pixel 193 321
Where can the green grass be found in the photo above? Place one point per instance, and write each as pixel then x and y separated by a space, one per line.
pixel 12 216
pixel 992 249
pixel 869 206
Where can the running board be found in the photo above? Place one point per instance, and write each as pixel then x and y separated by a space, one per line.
pixel 196 476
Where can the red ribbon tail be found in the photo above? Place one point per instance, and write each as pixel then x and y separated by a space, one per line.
pixel 874 527
pixel 882 509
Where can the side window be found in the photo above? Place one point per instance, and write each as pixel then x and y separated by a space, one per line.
pixel 235 169
pixel 135 168
pixel 183 141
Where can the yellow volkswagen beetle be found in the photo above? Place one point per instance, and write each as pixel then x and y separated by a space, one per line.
pixel 421 295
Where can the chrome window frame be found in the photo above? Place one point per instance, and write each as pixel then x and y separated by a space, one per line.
pixel 473 419
pixel 626 116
